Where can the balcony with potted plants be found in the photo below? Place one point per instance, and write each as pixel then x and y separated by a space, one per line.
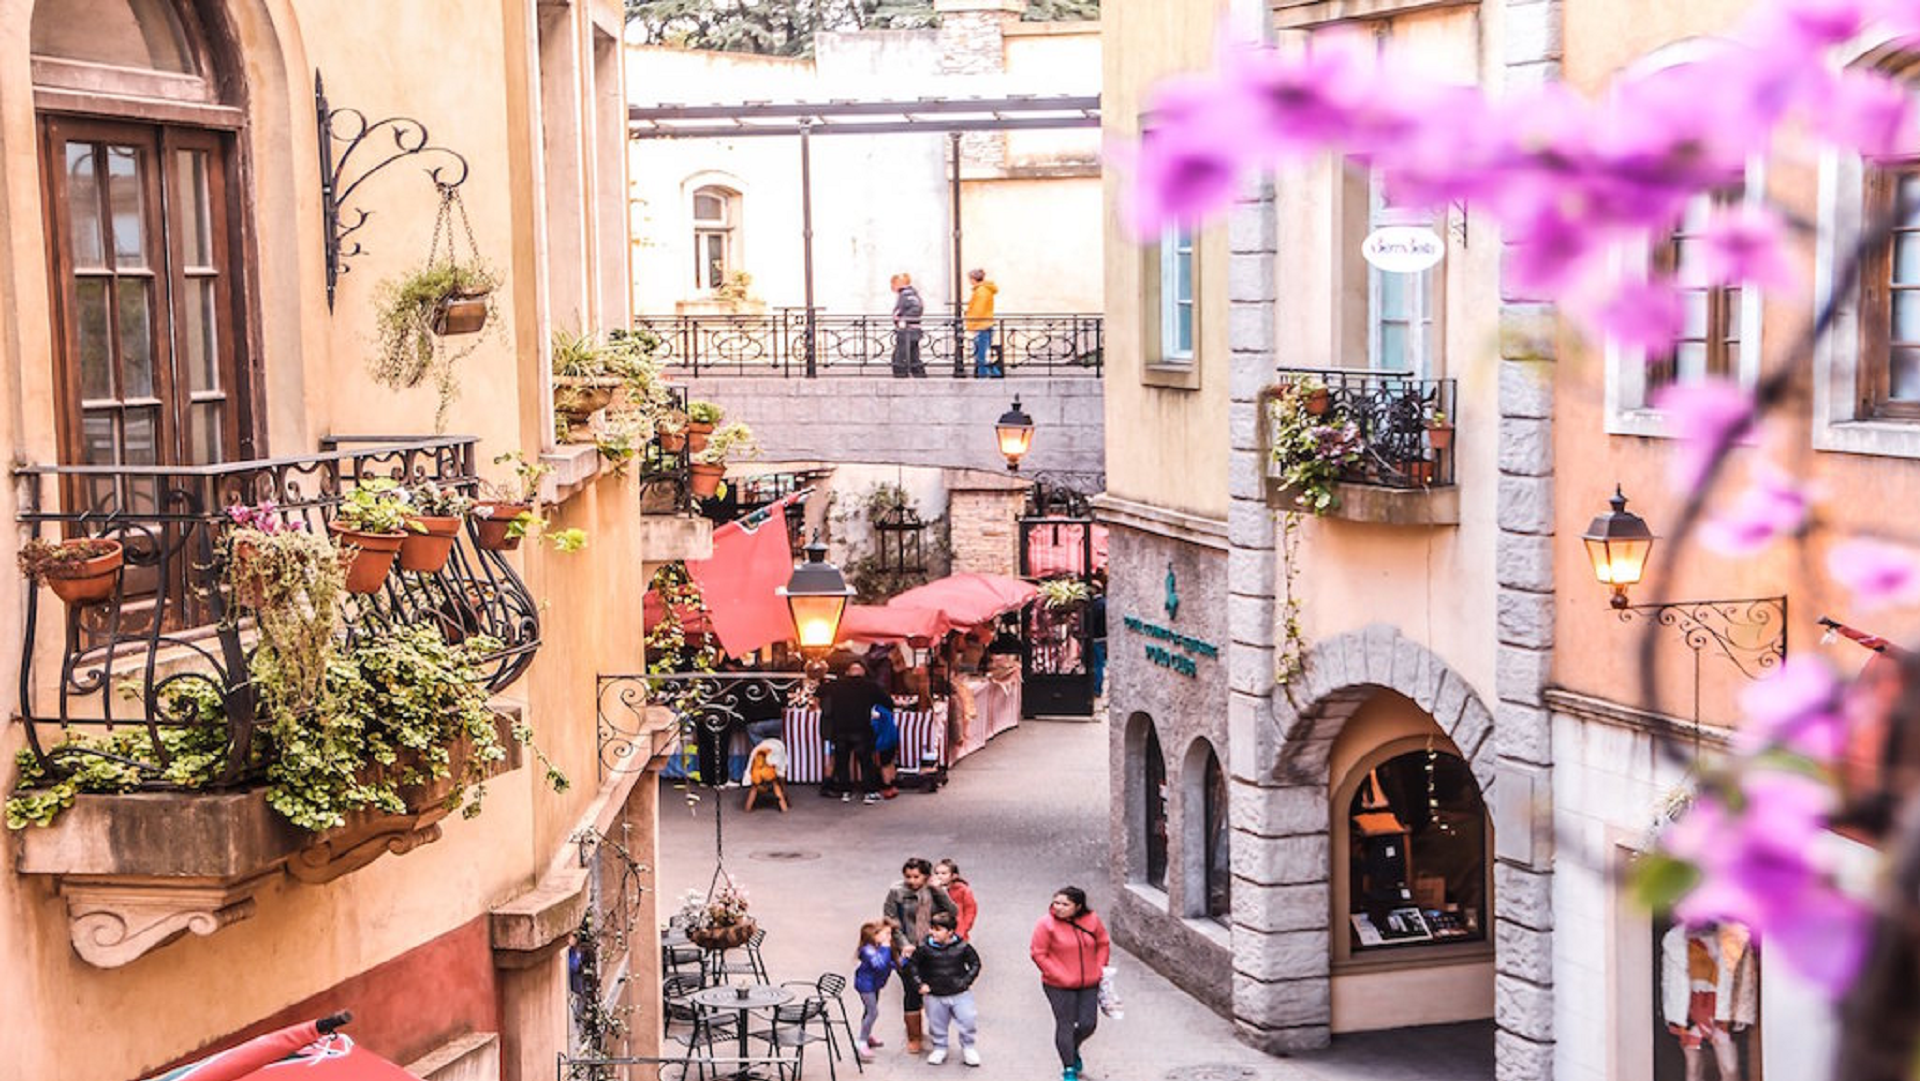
pixel 256 669
pixel 614 410
pixel 1363 446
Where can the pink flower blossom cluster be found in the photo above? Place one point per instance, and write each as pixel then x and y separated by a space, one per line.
pixel 264 516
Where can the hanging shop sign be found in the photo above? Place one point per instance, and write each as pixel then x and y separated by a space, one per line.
pixel 1403 249
pixel 1180 653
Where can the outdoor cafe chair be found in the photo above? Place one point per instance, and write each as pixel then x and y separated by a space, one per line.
pixel 832 987
pixel 794 1027
pixel 698 1029
pixel 718 968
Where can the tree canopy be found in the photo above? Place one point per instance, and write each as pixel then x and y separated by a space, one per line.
pixel 787 27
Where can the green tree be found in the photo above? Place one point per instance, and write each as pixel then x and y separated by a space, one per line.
pixel 787 27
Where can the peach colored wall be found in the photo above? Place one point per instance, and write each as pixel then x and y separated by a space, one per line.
pixel 1160 440
pixel 476 94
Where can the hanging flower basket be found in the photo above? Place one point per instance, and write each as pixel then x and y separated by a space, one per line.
pixel 463 312
pixel 731 936
pixel 80 571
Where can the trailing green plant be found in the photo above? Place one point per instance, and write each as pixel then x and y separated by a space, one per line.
pixel 295 583
pixel 729 441
pixel 1290 660
pixel 668 645
pixel 406 349
pixel 375 505
pixel 41 559
pixel 872 579
pixel 1310 451
pixel 1057 593
pixel 701 412
pixel 577 355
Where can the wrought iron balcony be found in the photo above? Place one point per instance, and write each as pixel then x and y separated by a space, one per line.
pixel 777 343
pixel 172 619
pixel 1402 425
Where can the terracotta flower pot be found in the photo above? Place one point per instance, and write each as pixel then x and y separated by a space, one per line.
pixel 706 479
pixel 1440 436
pixel 89 581
pixel 673 442
pixel 575 401
pixel 372 557
pixel 732 936
pixel 494 520
pixel 460 313
pixel 1317 401
pixel 1420 472
pixel 428 552
pixel 697 433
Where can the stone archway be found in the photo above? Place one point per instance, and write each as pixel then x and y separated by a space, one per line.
pixel 1282 830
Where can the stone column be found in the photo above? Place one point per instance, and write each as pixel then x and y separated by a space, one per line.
pixel 1280 990
pixel 972 42
pixel 1523 787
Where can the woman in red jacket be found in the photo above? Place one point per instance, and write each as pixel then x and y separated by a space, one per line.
pixel 1070 947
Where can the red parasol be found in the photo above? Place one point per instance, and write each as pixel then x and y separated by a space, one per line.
pixel 243 1060
pixel 887 623
pixel 966 600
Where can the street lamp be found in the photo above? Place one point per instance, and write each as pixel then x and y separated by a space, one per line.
pixel 1015 431
pixel 816 597
pixel 1617 543
pixel 1751 632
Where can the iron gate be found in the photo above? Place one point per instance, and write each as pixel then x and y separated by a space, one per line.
pixel 1057 666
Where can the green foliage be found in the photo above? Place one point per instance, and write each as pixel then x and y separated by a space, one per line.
pixel 295 583
pixel 525 486
pixel 406 350
pixel 872 580
pixel 701 412
pixel 729 441
pixel 374 505
pixel 434 501
pixel 1658 881
pixel 667 645
pixel 1064 592
pixel 1290 660
pixel 1311 450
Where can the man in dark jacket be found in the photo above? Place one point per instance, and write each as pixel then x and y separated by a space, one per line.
pixel 846 720
pixel 907 309
pixel 943 969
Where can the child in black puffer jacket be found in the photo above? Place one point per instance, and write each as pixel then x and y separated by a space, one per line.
pixel 944 968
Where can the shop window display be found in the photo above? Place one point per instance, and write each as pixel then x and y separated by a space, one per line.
pixel 1707 1006
pixel 1418 849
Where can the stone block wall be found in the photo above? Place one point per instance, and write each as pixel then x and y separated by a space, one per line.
pixel 937 421
pixel 984 530
pixel 972 42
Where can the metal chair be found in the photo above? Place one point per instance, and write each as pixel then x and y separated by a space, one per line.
pixel 798 1024
pixel 702 1029
pixel 716 968
pixel 831 987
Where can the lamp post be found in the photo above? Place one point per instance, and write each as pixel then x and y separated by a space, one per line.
pixel 1751 632
pixel 816 598
pixel 1015 432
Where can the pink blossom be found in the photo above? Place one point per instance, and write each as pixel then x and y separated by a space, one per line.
pixel 1707 416
pixel 1642 315
pixel 1797 707
pixel 1743 245
pixel 1772 506
pixel 1878 574
pixel 1865 111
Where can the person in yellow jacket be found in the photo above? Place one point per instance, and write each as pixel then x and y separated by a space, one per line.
pixel 979 323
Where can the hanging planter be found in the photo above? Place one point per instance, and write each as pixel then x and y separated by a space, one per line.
pixel 372 522
pixel 447 295
pixel 428 544
pixel 493 523
pixel 81 571
pixel 729 937
pixel 462 312
pixel 372 556
pixel 575 401
pixel 1440 432
pixel 702 418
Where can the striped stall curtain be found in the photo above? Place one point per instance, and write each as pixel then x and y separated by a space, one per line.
pixel 921 733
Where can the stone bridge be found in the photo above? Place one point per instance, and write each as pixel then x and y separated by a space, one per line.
pixel 936 421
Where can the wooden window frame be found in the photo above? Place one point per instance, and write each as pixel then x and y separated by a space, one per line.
pixel 1881 184
pixel 1723 303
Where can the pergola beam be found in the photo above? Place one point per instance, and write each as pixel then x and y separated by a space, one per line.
pixel 931 115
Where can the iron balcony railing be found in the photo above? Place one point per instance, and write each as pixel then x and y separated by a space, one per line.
pixel 171 618
pixel 777 343
pixel 665 476
pixel 1404 424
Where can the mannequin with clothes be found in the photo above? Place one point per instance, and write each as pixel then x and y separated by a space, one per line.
pixel 1709 990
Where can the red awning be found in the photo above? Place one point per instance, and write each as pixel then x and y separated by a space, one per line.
pixel 966 600
pixel 886 623
pixel 693 619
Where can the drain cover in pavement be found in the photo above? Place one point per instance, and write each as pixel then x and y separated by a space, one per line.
pixel 1212 1072
pixel 788 855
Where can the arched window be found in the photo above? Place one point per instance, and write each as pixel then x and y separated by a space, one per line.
pixel 716 212
pixel 142 230
pixel 1416 833
pixel 1155 792
pixel 1219 868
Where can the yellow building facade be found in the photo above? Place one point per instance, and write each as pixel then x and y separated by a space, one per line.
pixel 179 337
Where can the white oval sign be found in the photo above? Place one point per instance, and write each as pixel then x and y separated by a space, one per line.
pixel 1403 249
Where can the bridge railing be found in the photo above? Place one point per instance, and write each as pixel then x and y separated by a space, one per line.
pixel 785 342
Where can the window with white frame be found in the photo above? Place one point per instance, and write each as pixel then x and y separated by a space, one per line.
pixel 715 235
pixel 1403 309
pixel 1176 296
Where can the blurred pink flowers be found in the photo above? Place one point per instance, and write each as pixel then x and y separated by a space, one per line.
pixel 1707 417
pixel 1878 574
pixel 1773 505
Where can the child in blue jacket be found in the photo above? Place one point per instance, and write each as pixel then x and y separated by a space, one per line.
pixel 876 964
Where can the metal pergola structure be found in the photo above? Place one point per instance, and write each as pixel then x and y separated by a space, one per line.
pixel 805 119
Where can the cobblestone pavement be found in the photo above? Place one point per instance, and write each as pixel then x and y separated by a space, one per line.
pixel 1022 817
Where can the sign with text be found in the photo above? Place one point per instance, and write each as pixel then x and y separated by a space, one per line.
pixel 1403 249
pixel 1179 652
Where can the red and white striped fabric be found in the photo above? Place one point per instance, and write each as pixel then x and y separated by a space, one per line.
pixel 807 760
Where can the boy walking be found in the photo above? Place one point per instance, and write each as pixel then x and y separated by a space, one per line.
pixel 944 968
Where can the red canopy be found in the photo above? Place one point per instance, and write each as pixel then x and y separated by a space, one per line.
pixel 333 1058
pixel 887 623
pixel 693 619
pixel 965 600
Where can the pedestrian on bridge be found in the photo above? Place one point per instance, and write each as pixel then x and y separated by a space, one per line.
pixel 907 310
pixel 979 324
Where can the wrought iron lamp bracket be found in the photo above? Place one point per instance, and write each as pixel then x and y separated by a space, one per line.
pixel 341 174
pixel 708 700
pixel 1751 632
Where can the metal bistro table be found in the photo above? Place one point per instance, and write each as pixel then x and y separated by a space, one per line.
pixel 753 996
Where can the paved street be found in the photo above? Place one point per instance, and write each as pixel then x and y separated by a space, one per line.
pixel 1022 817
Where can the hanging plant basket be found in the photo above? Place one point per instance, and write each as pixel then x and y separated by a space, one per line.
pixel 494 524
pixel 463 312
pixel 575 401
pixel 372 557
pixel 732 936
pixel 427 552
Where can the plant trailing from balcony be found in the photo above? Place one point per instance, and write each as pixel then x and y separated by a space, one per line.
pixel 294 582
pixel 83 570
pixel 1310 450
pixel 373 519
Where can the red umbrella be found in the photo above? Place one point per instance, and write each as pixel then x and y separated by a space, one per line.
pixel 891 623
pixel 243 1059
pixel 333 1058
pixel 968 599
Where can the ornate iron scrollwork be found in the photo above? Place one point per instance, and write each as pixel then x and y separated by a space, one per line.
pixel 351 128
pixel 714 701
pixel 1750 632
